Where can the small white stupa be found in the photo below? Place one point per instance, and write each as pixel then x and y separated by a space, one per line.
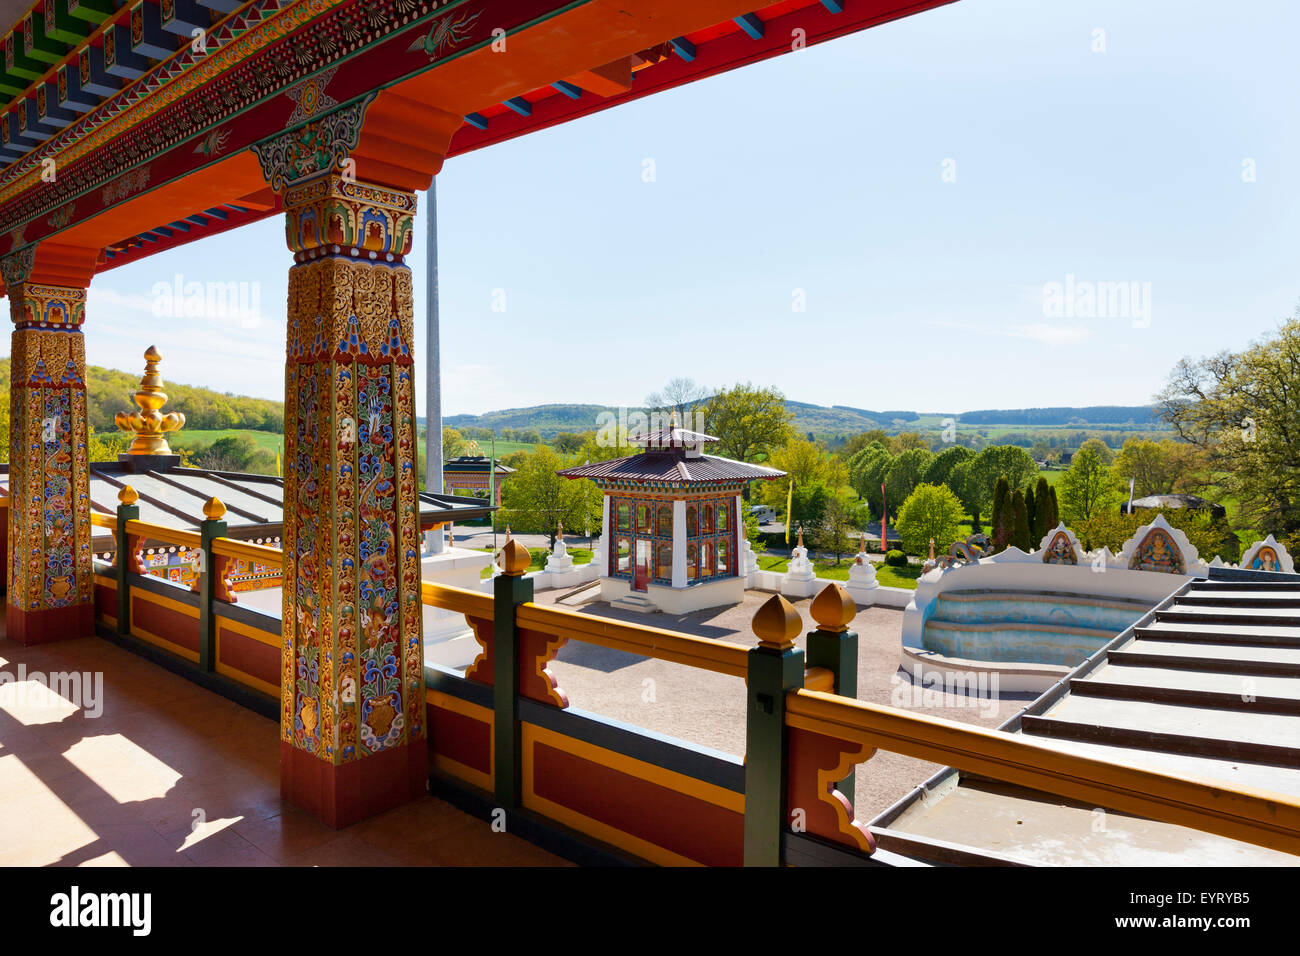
pixel 800 578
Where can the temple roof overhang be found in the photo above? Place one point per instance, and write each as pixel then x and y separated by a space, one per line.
pixel 671 470
pixel 174 497
pixel 149 133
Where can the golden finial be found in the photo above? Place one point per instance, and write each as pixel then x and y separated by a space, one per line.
pixel 862 542
pixel 559 533
pixel 149 424
pixel 800 536
pixel 833 609
pixel 213 509
pixel 777 623
pixel 128 495
pixel 513 558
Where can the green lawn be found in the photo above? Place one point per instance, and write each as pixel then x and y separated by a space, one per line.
pixel 826 568
pixel 187 438
pixel 539 556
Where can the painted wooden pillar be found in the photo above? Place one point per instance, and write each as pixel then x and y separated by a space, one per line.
pixel 352 729
pixel 50 579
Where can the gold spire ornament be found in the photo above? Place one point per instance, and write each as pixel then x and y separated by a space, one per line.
pixel 149 424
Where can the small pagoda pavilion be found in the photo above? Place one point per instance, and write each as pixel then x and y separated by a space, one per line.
pixel 672 524
pixel 470 473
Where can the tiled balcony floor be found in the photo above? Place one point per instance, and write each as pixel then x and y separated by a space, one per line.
pixel 174 775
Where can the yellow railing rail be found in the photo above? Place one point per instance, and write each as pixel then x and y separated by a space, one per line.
pixel 158 532
pixel 1255 816
pixel 261 553
pixel 452 598
pixel 103 521
pixel 722 657
pixel 4 501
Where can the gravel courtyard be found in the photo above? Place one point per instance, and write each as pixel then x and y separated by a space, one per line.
pixel 707 709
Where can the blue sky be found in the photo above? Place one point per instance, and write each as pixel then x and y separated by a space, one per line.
pixel 824 171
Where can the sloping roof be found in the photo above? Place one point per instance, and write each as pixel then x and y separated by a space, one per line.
pixel 651 466
pixel 474 463
pixel 674 436
pixel 254 503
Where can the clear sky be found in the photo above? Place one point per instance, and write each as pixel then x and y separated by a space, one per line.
pixel 830 171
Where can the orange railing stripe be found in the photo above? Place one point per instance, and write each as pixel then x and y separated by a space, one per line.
pixel 158 532
pixel 261 553
pixel 452 598
pixel 1255 816
pixel 722 657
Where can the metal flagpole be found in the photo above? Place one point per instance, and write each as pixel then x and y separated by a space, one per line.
pixel 433 368
pixel 492 488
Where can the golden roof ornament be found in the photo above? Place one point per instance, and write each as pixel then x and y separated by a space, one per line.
pixel 149 424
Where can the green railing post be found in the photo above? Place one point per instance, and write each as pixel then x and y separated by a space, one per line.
pixel 510 589
pixel 834 647
pixel 127 510
pixel 210 528
pixel 776 666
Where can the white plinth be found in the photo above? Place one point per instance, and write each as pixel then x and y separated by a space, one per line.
pixel 862 586
pixel 448 639
pixel 800 578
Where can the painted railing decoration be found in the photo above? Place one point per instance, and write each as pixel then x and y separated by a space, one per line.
pixel 503 735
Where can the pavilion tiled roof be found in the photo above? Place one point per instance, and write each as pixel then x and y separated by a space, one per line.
pixel 657 466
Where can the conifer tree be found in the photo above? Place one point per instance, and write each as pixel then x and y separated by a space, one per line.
pixel 1019 521
pixel 1001 523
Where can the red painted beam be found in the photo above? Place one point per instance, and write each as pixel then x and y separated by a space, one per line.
pixel 727 52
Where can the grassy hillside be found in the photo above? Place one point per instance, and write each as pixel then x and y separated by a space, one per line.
pixel 109 391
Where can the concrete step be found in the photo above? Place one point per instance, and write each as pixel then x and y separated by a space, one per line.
pixel 1275 661
pixel 1243 586
pixel 1245 692
pixel 1179 728
pixel 1221 598
pixel 1220 633
pixel 1189 613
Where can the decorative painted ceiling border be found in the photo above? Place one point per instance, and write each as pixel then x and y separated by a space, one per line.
pixel 263 82
pixel 244 33
pixel 71 185
pixel 163 71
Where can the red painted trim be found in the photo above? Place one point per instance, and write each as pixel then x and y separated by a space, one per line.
pixel 340 795
pixel 49 624
pixel 252 657
pixel 461 738
pixel 172 626
pixel 727 52
pixel 686 825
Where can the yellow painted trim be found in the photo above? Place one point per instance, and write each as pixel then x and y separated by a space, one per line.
pixel 170 646
pixel 531 735
pixel 241 677
pixel 109 620
pixel 585 824
pixel 484 781
pixel 106 581
pixel 171 603
pixel 231 548
pixel 1238 812
pixel 652 773
pixel 158 532
pixel 247 630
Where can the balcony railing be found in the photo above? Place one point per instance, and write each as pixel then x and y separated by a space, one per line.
pixel 502 734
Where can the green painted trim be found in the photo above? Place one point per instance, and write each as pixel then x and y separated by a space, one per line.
pixel 125 513
pixel 771 674
pixel 838 653
pixel 209 530
pixel 508 593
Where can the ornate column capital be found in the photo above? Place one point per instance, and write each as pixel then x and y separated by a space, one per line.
pixel 53 307
pixel 332 215
pixel 318 147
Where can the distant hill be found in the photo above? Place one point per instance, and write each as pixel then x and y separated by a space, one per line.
pixel 109 391
pixel 828 421
pixel 1147 416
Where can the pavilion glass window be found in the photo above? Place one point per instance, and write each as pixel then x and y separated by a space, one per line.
pixel 710 549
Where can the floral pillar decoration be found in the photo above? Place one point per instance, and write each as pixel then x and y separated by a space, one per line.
pixel 352 710
pixel 50 576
